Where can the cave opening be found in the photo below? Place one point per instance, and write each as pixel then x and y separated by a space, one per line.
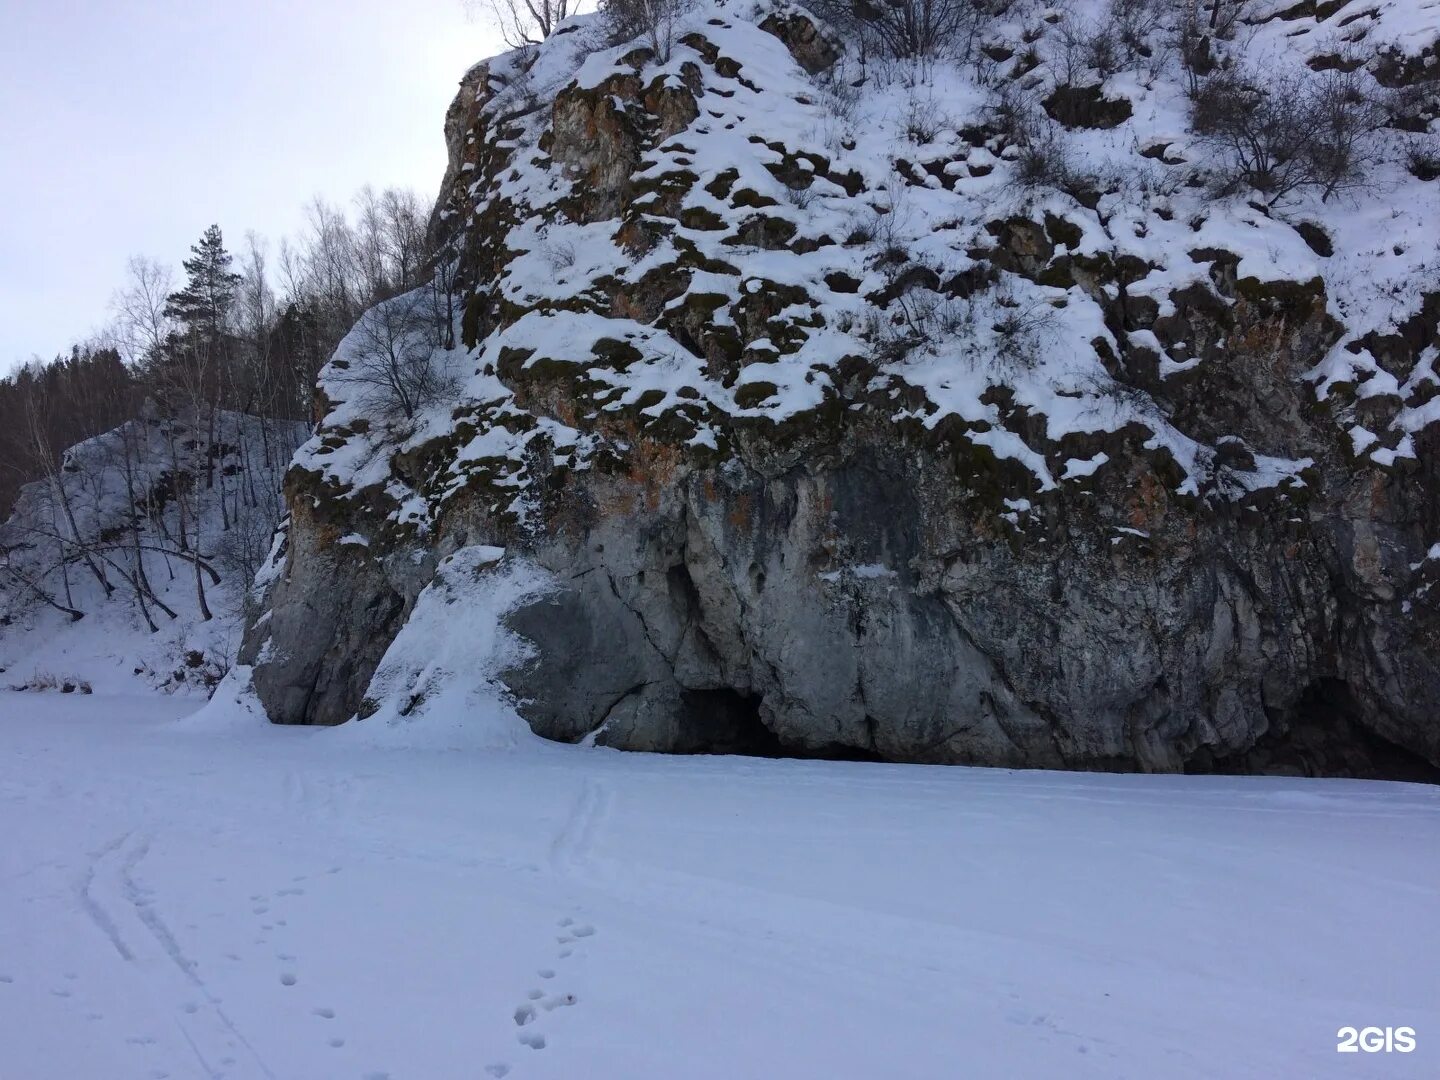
pixel 1323 734
pixel 726 721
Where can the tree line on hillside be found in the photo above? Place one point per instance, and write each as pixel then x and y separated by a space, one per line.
pixel 246 332
pixel 184 412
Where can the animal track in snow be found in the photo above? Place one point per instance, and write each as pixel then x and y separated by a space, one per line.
pixel 324 1013
pixel 524 1014
pixel 499 1070
pixel 288 979
pixel 546 973
pixel 532 1039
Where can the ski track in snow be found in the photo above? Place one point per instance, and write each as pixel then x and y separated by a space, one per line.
pixel 570 850
pixel 275 903
pixel 112 897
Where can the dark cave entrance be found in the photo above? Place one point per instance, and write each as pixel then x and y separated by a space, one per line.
pixel 725 721
pixel 1322 735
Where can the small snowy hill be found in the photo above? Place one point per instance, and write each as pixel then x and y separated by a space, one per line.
pixel 109 567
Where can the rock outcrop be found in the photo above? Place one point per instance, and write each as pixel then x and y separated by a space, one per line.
pixel 843 434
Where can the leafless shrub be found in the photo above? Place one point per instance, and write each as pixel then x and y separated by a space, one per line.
pixel 839 91
pixel 653 20
pixel 886 231
pixel 1423 162
pixel 242 549
pixel 924 119
pixel 1042 161
pixel 798 197
pixel 1125 36
pixel 1287 133
pixel 918 318
pixel 1017 325
pixel 1035 145
pixel 392 355
pixel 1224 15
pixel 1136 25
pixel 42 681
pixel 559 254
pixel 906 29
pixel 994 328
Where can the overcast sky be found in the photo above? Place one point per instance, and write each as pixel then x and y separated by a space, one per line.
pixel 128 126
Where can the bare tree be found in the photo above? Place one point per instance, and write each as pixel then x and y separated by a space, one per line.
pixel 139 306
pixel 390 355
pixel 524 22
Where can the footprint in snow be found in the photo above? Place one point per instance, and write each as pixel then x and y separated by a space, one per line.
pixel 324 1013
pixel 532 1039
pixel 288 979
pixel 499 1070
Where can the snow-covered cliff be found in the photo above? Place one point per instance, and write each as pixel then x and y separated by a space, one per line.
pixel 1002 409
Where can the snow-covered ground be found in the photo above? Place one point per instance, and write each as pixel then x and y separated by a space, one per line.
pixel 182 901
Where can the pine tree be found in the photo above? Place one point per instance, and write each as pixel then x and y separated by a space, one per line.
pixel 204 304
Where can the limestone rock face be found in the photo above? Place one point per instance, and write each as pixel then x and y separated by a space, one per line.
pixel 837 439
